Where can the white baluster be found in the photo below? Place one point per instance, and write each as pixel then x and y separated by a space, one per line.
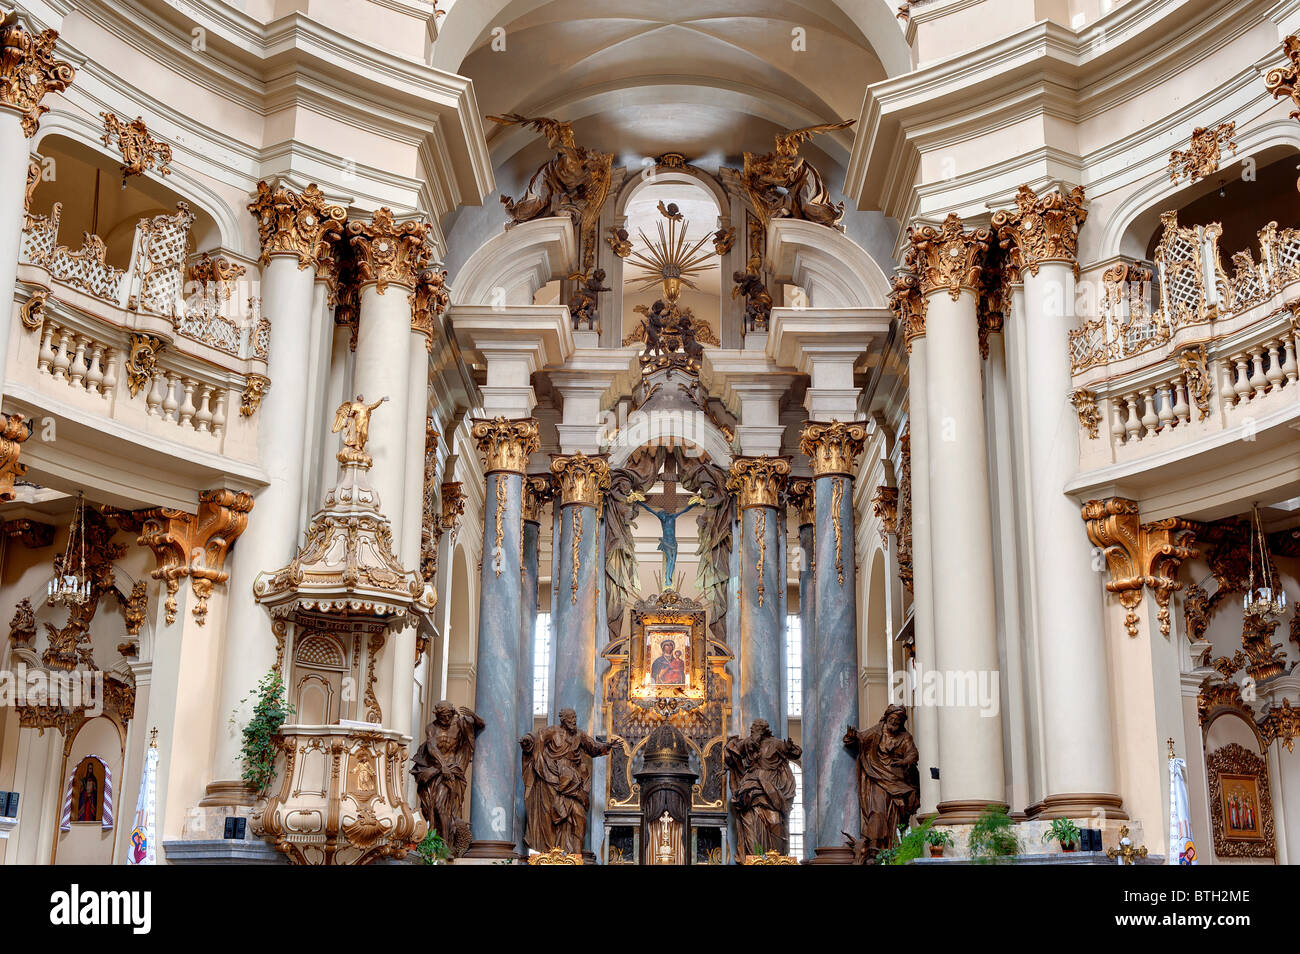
pixel 77 369
pixel 203 416
pixel 61 358
pixel 1257 380
pixel 219 413
pixel 110 372
pixel 1166 400
pixel 1227 396
pixel 1117 411
pixel 1149 418
pixel 46 356
pixel 1182 410
pixel 156 394
pixel 1133 425
pixel 1241 381
pixel 1289 367
pixel 170 404
pixel 95 373
pixel 1274 373
pixel 187 406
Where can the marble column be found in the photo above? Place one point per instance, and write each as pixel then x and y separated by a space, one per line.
pixel 297 231
pixel 833 450
pixel 505 446
pixel 1078 750
pixel 949 261
pixel 758 483
pixel 538 490
pixel 802 498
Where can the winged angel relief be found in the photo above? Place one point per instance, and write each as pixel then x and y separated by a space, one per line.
pixel 782 184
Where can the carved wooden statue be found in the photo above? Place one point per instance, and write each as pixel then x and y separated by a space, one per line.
pixel 762 787
pixel 557 783
pixel 889 786
pixel 440 768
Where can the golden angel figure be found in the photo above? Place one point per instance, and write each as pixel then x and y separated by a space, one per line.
pixel 353 419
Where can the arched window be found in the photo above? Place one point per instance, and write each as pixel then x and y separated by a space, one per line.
pixel 542 664
pixel 796 813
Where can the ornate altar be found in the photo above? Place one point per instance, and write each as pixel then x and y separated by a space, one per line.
pixel 667 672
pixel 665 781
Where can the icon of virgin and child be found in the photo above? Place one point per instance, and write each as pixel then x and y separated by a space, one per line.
pixel 669 667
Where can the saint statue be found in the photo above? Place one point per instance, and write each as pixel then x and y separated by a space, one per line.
pixel 557 783
pixel 889 786
pixel 668 534
pixel 353 419
pixel 762 787
pixel 440 766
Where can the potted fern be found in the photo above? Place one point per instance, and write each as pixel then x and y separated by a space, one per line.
pixel 938 839
pixel 993 838
pixel 1065 832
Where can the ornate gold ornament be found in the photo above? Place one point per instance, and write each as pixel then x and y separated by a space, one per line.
pixel 670 260
pixel 1262 658
pixel 428 302
pixel 1281 80
pixel 215 275
pixel 772 857
pixel 30 533
pixel 556 856
pixel 29 70
pixel 194 545
pixel 884 504
pixel 387 251
pixel 255 389
pixel 296 223
pixel 948 258
pixel 539 490
pixel 32 311
pixel 33 180
pixel 724 240
pixel 833 448
pixel 1085 406
pixel 453 505
pixel 905 568
pixel 581 479
pixel 499 552
pixel 760 538
pixel 782 184
pixel 1124 851
pixel 1195 364
pixel 506 444
pixel 1239 764
pixel 1042 228
pixel 758 481
pixel 353 419
pixel 1201 157
pixel 619 241
pixel 140 151
pixel 837 501
pixel 14 430
pixel 142 360
pixel 802 495
pixel 1139 554
pixel 576 540
pixel 1282 723
pixel 1219 692
pixel 908 305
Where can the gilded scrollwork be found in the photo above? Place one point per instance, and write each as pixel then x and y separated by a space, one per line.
pixel 428 302
pixel 1202 155
pixel 908 305
pixel 1282 80
pixel 506 444
pixel 14 430
pixel 802 495
pixel 142 360
pixel 1195 364
pixel 1233 760
pixel 32 311
pixel 581 479
pixel 29 70
pixel 948 258
pixel 140 150
pixel 255 388
pixel 884 505
pixel 1042 228
pixel 833 448
pixel 303 224
pixel 1085 407
pixel 758 481
pixel 388 251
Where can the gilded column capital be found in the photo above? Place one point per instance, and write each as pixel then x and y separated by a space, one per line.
pixel 29 70
pixel 451 496
pixel 302 224
pixel 1042 228
pixel 802 496
pixel 581 479
pixel 506 444
pixel 948 258
pixel 539 490
pixel 908 304
pixel 1140 554
pixel 429 300
pixel 884 505
pixel 833 448
pixel 194 545
pixel 388 251
pixel 758 481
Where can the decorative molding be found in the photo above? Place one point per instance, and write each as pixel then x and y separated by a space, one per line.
pixel 758 481
pixel 194 545
pixel 1042 228
pixel 1201 157
pixel 32 311
pixel 140 151
pixel 905 568
pixel 506 444
pixel 1195 364
pixel 947 258
pixel 142 360
pixel 302 224
pixel 1139 554
pixel 581 479
pixel 1085 406
pixel 1282 723
pixel 29 70
pixel 255 389
pixel 1282 80
pixel 884 504
pixel 215 275
pixel 428 302
pixel 833 448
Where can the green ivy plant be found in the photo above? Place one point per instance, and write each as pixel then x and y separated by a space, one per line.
pixel 433 850
pixel 993 837
pixel 270 712
pixel 1064 831
pixel 912 844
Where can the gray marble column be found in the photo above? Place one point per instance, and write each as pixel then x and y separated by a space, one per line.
pixel 802 497
pixel 833 449
pixel 758 483
pixel 537 490
pixel 505 446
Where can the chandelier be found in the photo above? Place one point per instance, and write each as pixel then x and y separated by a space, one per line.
pixel 71 583
pixel 1268 599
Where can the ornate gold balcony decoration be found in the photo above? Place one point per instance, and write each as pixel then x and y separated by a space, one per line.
pixel 1281 80
pixel 1282 723
pixel 32 311
pixel 908 305
pixel 14 430
pixel 833 448
pixel 1201 157
pixel 1085 406
pixel 783 185
pixel 539 490
pixel 194 545
pixel 581 479
pixel 506 444
pixel 428 302
pixel 575 182
pixel 29 70
pixel 255 389
pixel 948 258
pixel 556 856
pixel 1139 554
pixel 758 481
pixel 1042 228
pixel 140 151
pixel 215 275
pixel 802 495
pixel 884 504
pixel 296 223
pixel 389 252
pixel 1195 364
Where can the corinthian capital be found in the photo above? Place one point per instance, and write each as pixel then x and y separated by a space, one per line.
pixel 1042 228
pixel 539 490
pixel 582 479
pixel 506 444
pixel 297 223
pixel 429 300
pixel 802 495
pixel 388 251
pixel 833 448
pixel 948 258
pixel 758 481
pixel 29 70
pixel 908 304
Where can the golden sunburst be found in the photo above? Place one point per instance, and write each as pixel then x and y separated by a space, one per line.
pixel 671 258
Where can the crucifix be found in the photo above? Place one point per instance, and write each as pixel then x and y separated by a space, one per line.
pixel 667 513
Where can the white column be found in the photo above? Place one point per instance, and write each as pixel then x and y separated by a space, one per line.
pixel 338 388
pixel 14 157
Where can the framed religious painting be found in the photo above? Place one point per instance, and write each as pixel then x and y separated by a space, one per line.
pixel 1241 805
pixel 667 649
pixel 88 791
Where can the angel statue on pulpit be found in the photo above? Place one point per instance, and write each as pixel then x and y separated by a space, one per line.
pixel 353 419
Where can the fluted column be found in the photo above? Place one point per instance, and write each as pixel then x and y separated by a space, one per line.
pixel 538 491
pixel 948 263
pixel 802 496
pixel 1078 753
pixel 833 450
pixel 758 483
pixel 28 71
pixel 505 445
pixel 297 231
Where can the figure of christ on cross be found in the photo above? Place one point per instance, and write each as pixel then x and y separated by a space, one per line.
pixel 667 517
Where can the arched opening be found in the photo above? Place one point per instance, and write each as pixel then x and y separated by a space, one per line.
pixel 875 652
pixel 461 635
